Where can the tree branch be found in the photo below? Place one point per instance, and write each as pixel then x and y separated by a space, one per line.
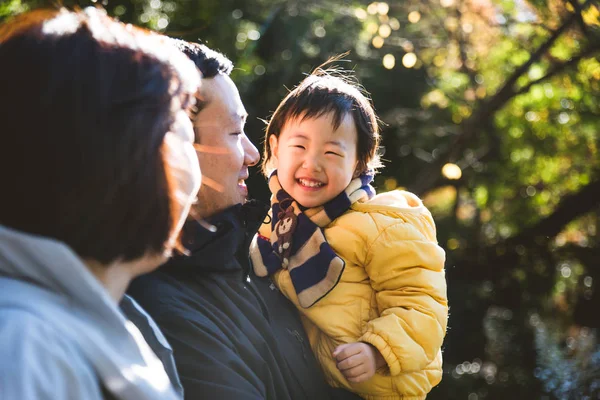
pixel 588 256
pixel 479 118
pixel 507 91
pixel 578 13
pixel 461 40
pixel 496 261
pixel 570 208
pixel 558 68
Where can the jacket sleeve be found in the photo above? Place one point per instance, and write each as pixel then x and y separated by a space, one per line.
pixel 406 269
pixel 208 364
pixel 37 363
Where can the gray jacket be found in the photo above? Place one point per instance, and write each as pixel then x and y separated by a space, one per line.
pixel 63 337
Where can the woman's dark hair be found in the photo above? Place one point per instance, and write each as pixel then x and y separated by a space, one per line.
pixel 85 105
pixel 321 93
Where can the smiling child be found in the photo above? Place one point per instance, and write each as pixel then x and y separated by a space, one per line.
pixel 364 270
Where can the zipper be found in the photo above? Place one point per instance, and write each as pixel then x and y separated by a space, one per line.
pixel 299 338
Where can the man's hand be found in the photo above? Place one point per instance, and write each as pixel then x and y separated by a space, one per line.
pixel 358 361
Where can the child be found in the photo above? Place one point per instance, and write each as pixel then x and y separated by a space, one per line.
pixel 364 270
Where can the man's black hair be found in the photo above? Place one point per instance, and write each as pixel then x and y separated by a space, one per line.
pixel 208 61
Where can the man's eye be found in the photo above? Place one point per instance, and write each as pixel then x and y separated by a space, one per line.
pixel 235 133
pixel 298 146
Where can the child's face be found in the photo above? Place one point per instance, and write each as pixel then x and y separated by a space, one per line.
pixel 314 162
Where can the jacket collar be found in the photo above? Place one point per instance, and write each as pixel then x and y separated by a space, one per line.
pixel 212 251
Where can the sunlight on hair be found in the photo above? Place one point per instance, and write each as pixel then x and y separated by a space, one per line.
pixel 64 23
pixel 103 30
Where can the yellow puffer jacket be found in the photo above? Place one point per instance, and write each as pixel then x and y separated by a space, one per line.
pixel 392 294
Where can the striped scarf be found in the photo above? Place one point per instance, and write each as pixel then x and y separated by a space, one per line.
pixel 297 242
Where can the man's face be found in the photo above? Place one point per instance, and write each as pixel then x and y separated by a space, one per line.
pixel 224 150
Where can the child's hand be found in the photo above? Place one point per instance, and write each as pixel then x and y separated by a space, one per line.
pixel 358 361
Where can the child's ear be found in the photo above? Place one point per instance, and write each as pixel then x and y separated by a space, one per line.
pixel 357 172
pixel 273 143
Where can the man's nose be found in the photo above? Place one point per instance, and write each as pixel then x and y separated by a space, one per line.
pixel 251 155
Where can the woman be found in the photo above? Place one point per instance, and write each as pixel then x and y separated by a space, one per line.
pixel 97 174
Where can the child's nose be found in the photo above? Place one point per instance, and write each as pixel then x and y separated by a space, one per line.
pixel 312 163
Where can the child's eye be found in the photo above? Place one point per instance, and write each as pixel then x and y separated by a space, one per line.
pixel 298 146
pixel 334 153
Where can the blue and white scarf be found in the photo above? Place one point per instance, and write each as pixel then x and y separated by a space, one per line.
pixel 301 246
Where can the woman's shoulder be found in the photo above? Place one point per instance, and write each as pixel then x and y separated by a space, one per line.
pixel 32 333
pixel 37 361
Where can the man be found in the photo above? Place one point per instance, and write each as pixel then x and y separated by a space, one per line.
pixel 234 336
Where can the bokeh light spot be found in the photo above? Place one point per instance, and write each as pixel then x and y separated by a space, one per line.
pixel 389 61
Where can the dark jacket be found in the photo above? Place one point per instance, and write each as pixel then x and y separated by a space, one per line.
pixel 234 335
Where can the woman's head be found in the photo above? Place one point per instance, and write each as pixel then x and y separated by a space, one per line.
pixel 94 131
pixel 324 133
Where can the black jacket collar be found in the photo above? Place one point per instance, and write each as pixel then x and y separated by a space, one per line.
pixel 220 251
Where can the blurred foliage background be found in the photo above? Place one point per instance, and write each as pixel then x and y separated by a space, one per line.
pixel 492 116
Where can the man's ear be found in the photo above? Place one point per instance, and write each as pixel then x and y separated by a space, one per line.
pixel 273 144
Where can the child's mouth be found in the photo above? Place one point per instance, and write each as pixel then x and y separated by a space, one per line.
pixel 309 183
